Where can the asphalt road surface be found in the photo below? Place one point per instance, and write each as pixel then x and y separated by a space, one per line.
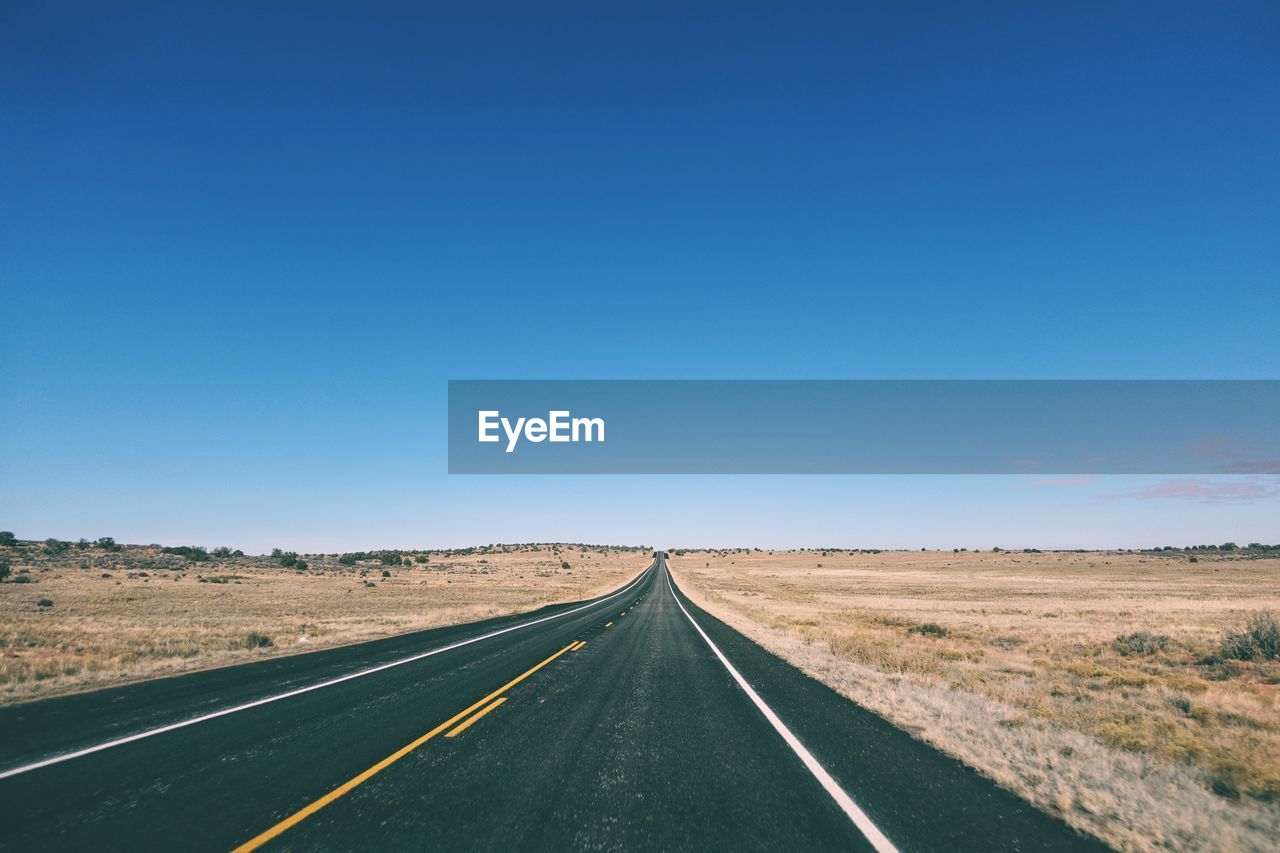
pixel 635 721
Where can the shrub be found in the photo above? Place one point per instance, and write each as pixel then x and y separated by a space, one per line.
pixel 257 640
pixel 300 565
pixel 347 559
pixel 930 629
pixel 564 564
pixel 7 538
pixel 221 552
pixel 1140 643
pixel 390 558
pixel 5 571
pixel 1223 670
pixel 44 602
pixel 422 558
pixel 22 579
pixel 1258 640
pixel 386 574
pixel 194 553
pixel 287 559
pixel 56 546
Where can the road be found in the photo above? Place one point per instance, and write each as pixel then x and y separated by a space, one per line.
pixel 633 721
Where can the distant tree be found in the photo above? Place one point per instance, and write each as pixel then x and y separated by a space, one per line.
pixel 300 565
pixel 56 546
pixel 221 552
pixel 347 559
pixel 7 538
pixel 107 543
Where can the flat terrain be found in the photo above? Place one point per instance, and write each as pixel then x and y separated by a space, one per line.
pixel 616 724
pixel 1093 684
pixel 120 615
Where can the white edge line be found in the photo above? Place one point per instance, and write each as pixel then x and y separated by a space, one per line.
pixel 865 825
pixel 80 753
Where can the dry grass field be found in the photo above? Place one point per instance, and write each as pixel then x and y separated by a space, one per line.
pixel 82 618
pixel 1096 684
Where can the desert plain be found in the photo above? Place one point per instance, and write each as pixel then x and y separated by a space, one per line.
pixel 79 618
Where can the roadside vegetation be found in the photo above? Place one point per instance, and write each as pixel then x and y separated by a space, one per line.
pixel 1136 694
pixel 93 613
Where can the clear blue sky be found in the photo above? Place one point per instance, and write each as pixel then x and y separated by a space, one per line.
pixel 243 248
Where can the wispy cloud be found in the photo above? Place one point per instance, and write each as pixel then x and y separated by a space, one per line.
pixel 1218 446
pixel 1254 466
pixel 1236 456
pixel 1206 490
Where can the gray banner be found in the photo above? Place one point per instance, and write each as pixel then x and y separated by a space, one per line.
pixel 864 427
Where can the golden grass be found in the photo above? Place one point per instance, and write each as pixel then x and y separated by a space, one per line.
pixel 137 613
pixel 1014 663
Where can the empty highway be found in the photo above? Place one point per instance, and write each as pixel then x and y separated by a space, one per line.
pixel 633 721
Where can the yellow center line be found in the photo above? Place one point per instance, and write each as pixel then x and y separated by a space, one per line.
pixel 608 624
pixel 355 782
pixel 466 724
pixel 579 645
